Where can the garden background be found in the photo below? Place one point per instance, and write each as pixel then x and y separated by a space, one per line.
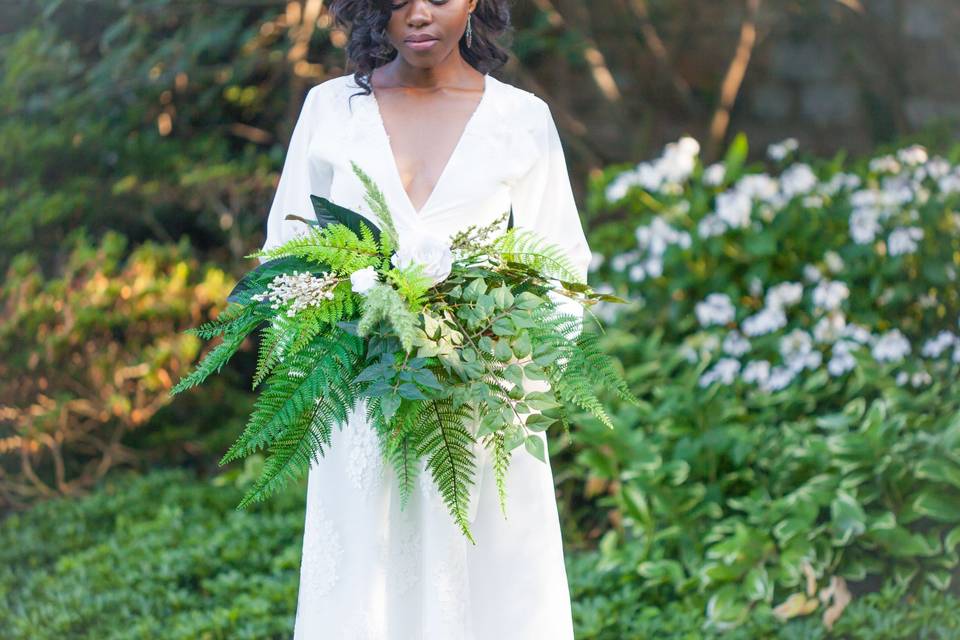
pixel 773 184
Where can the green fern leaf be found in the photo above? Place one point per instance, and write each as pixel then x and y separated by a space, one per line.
pixel 448 447
pixel 326 367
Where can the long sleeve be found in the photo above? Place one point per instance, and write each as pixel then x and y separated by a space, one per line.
pixel 543 202
pixel 299 178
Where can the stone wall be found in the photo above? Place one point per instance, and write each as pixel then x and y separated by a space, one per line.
pixel 856 81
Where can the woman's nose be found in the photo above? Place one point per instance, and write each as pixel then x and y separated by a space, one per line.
pixel 419 13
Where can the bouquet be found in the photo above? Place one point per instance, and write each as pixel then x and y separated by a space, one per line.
pixel 438 337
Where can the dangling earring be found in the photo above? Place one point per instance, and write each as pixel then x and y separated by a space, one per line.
pixel 469 31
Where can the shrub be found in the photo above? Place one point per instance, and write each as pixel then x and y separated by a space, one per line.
pixel 794 339
pixel 158 556
pixel 89 357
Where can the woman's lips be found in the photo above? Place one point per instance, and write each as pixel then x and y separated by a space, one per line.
pixel 421 45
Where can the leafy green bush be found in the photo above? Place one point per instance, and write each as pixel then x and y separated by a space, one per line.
pixel 168 556
pixel 159 556
pixel 89 357
pixel 794 341
pixel 610 603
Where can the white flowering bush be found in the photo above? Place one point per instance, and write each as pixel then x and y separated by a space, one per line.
pixel 811 271
pixel 794 335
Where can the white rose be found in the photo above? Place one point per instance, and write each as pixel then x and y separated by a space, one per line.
pixel 432 253
pixel 362 280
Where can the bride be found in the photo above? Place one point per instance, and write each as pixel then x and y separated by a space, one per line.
pixel 450 146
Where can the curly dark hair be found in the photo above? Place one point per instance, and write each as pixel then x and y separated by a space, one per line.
pixel 367 46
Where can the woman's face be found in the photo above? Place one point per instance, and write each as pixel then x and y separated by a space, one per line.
pixel 424 32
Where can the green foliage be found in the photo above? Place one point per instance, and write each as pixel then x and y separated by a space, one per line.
pixel 443 437
pixel 384 303
pixel 90 354
pixel 303 398
pixel 157 556
pixel 530 249
pixel 731 493
pixel 374 198
pixel 335 246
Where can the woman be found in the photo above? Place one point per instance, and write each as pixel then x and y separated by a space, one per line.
pixel 449 146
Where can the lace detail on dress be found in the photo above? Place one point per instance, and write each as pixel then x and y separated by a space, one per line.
pixel 401 554
pixel 364 462
pixel 322 550
pixel 448 578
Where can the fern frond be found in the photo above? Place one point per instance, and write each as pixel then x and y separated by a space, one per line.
pixel 274 338
pixel 325 368
pixel 214 360
pixel 398 442
pixel 501 463
pixel 294 451
pixel 384 303
pixel 447 444
pixel 529 248
pixel 229 320
pixel 314 320
pixel 412 285
pixel 378 204
pixel 335 246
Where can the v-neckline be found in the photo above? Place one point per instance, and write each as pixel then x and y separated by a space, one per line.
pixel 392 159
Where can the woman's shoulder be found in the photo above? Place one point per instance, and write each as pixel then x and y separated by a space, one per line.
pixel 518 102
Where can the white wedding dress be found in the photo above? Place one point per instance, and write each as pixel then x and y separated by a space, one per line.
pixel 371 571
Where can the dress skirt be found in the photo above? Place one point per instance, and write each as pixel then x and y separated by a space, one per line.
pixel 371 571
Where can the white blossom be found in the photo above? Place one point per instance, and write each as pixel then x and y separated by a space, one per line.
pixel 780 150
pixel 756 372
pixel 714 175
pixel 715 309
pixel 912 155
pixel 301 290
pixel 784 294
pixel 797 180
pixel 885 164
pixel 725 371
pixel 903 240
pixel 778 379
pixel 710 225
pixel 796 349
pixel 733 207
pixel 432 253
pixel 735 344
pixel 892 346
pixel 841 360
pixel 934 347
pixel 830 294
pixel 833 261
pixel 621 261
pixel 857 333
pixel 864 225
pixel 765 321
pixel 830 327
pixel 811 273
pixel 758 186
pixel 362 280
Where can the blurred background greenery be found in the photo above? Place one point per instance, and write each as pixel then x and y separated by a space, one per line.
pixel 816 495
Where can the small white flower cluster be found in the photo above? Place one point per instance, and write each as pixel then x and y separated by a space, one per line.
pixel 715 309
pixel 734 207
pixel 667 173
pixel 884 213
pixel 653 240
pixel 779 151
pixel 300 290
pixel 904 240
